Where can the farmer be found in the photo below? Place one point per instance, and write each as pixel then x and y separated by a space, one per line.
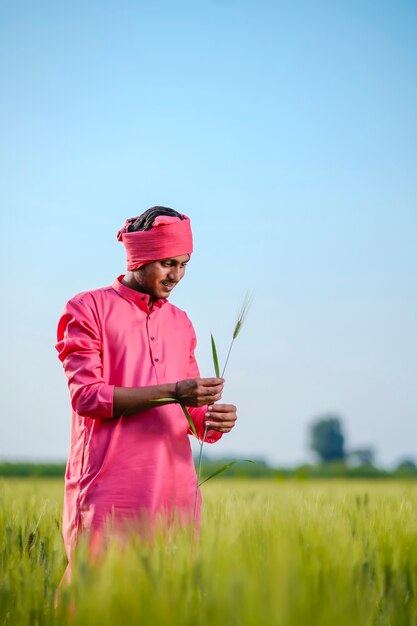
pixel 123 347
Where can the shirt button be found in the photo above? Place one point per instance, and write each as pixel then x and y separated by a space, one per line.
pixel 156 360
pixel 152 338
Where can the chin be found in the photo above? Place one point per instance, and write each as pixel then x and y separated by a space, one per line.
pixel 160 294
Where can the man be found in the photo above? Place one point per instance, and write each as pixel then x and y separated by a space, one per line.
pixel 124 348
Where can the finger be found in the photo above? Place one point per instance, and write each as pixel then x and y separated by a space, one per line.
pixel 216 425
pixel 213 389
pixel 209 422
pixel 220 419
pixel 214 394
pixel 222 409
pixel 212 382
pixel 221 428
pixel 212 398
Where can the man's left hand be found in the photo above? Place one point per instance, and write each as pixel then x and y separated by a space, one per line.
pixel 221 417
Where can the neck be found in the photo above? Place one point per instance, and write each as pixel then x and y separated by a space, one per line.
pixel 129 281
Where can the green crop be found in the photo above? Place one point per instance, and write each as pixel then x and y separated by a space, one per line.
pixel 286 553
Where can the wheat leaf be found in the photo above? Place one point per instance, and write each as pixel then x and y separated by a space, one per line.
pixel 184 410
pixel 223 468
pixel 215 359
pixel 189 419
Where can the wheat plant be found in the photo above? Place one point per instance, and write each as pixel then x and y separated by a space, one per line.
pixel 272 552
pixel 244 309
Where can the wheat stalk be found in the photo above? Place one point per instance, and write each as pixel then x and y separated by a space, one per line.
pixel 244 309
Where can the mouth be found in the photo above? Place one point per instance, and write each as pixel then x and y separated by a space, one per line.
pixel 168 285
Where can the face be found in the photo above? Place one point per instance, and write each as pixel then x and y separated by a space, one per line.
pixel 159 278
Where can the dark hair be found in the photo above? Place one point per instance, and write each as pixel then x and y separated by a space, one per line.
pixel 145 221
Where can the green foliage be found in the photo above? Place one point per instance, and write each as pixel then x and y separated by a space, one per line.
pixel 31 552
pixel 340 470
pixel 247 468
pixel 271 553
pixel 224 468
pixel 215 357
pixel 24 470
pixel 189 419
pixel 362 456
pixel 406 468
pixel 260 469
pixel 327 439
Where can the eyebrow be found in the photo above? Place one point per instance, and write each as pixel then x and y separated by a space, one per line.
pixel 174 261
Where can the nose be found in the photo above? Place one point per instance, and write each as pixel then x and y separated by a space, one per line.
pixel 174 274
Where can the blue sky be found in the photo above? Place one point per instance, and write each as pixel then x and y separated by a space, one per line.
pixel 287 131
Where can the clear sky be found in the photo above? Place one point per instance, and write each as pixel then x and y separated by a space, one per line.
pixel 287 131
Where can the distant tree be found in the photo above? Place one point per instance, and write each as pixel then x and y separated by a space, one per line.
pixel 362 456
pixel 327 439
pixel 406 467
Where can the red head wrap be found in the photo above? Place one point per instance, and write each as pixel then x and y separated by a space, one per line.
pixel 169 237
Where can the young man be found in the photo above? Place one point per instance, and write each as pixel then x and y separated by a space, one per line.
pixel 123 347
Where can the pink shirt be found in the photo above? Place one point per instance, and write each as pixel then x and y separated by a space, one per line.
pixel 140 464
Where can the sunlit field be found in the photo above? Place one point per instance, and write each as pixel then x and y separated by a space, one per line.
pixel 271 553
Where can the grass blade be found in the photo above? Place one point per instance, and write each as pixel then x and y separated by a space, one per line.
pixel 215 359
pixel 223 468
pixel 184 410
pixel 189 419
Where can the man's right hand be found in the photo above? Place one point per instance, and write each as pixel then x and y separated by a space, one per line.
pixel 199 391
pixel 191 392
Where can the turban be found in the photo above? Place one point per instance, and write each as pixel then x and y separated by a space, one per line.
pixel 169 237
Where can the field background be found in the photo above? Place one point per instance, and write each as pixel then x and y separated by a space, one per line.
pixel 270 552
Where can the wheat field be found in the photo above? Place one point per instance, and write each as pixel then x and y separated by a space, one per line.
pixel 272 553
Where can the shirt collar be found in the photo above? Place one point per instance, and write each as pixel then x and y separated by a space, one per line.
pixel 139 298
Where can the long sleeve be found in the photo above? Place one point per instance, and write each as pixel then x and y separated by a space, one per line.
pixel 80 350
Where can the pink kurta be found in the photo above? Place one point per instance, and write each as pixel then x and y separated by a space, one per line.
pixel 140 465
